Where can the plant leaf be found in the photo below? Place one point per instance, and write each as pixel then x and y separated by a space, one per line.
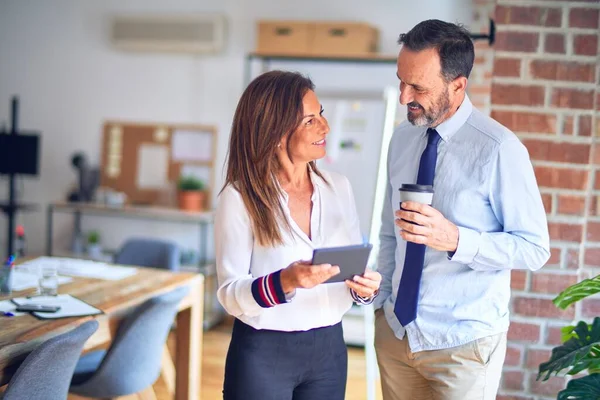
pixel 576 292
pixel 567 333
pixel 572 354
pixel 586 388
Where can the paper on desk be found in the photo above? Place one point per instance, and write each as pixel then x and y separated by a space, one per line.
pixel 69 306
pixel 9 306
pixel 83 268
pixel 26 279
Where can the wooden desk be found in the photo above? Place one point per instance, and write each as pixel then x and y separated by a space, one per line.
pixel 20 335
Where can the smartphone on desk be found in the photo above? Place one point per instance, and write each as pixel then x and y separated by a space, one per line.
pixel 37 308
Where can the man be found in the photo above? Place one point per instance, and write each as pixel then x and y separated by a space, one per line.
pixel 448 340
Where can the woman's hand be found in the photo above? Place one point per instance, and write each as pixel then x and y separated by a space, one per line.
pixel 302 274
pixel 365 286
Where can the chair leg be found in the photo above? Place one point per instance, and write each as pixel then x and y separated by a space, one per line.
pixel 147 394
pixel 168 370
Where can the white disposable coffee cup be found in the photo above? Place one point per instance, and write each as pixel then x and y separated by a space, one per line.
pixel 418 193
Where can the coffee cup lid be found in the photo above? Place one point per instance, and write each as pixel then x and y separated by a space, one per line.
pixel 411 187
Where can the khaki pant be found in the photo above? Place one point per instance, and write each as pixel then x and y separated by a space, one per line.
pixel 468 372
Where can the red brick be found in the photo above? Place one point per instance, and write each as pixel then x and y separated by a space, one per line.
pixel 563 70
pixel 594 205
pixel 537 356
pixel 555 256
pixel 565 178
pixel 507 67
pixel 593 231
pixel 532 307
pixel 522 332
pixel 548 388
pixel 551 283
pixel 585 125
pixel 572 98
pixel 590 308
pixel 518 280
pixel 568 125
pixel 513 380
pixel 527 95
pixel 592 257
pixel 572 261
pixel 513 356
pixel 571 205
pixel 547 200
pixel 528 16
pixel 555 43
pixel 565 232
pixel 585 45
pixel 545 150
pixel 597 174
pixel 598 101
pixel 517 41
pixel 583 18
pixel 554 335
pixel 526 121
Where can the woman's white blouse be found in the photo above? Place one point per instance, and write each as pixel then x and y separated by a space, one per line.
pixel 240 259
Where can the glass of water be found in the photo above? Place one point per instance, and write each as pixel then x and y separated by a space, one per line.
pixel 48 280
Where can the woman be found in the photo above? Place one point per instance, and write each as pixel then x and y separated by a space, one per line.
pixel 274 209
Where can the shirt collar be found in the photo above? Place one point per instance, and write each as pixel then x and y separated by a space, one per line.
pixel 450 126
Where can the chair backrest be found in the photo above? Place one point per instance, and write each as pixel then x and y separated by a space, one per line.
pixel 47 371
pixel 153 253
pixel 133 361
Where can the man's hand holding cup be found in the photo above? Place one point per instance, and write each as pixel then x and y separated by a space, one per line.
pixel 421 223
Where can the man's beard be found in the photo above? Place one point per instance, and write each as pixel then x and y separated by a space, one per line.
pixel 429 118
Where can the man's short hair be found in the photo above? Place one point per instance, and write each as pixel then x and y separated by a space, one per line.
pixel 452 42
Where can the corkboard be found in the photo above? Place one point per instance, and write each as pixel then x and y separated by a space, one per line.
pixel 145 160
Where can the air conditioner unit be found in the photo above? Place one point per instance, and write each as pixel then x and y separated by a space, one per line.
pixel 176 33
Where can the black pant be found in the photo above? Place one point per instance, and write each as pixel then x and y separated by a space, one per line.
pixel 275 365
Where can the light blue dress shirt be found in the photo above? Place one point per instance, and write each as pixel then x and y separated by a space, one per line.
pixel 484 183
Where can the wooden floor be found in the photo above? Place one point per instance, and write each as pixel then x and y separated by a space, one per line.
pixel 215 346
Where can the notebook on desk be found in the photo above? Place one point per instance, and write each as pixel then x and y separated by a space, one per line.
pixel 69 306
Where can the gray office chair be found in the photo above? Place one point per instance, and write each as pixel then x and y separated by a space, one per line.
pixel 152 253
pixel 133 361
pixel 47 371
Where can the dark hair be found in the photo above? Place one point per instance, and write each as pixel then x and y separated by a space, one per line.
pixel 270 109
pixel 452 42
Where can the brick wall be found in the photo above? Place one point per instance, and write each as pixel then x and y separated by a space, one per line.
pixel 545 87
pixel 480 81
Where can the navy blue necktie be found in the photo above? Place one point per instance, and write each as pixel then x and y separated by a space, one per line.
pixel 408 291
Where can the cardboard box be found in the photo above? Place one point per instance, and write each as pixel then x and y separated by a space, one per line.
pixel 351 39
pixel 284 38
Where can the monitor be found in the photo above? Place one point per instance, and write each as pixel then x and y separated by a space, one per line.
pixel 19 154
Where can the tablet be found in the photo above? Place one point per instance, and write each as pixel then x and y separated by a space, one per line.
pixel 352 260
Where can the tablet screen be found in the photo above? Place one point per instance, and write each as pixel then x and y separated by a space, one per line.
pixel 352 260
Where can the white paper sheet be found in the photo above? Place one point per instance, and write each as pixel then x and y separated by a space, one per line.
pixel 69 306
pixel 191 146
pixel 9 306
pixel 153 167
pixel 27 279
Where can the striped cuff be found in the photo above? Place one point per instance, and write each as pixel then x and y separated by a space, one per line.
pixel 267 290
pixel 363 300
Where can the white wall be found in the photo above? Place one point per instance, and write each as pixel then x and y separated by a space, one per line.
pixel 55 55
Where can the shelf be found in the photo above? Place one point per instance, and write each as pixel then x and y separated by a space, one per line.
pixel 139 212
pixel 5 207
pixel 374 59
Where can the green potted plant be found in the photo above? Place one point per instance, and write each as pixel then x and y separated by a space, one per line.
pixel 580 351
pixel 93 245
pixel 191 195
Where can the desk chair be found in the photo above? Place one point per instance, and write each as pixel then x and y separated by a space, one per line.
pixel 47 370
pixel 133 361
pixel 152 253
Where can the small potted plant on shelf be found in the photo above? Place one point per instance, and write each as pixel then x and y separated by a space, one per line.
pixel 94 248
pixel 191 193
